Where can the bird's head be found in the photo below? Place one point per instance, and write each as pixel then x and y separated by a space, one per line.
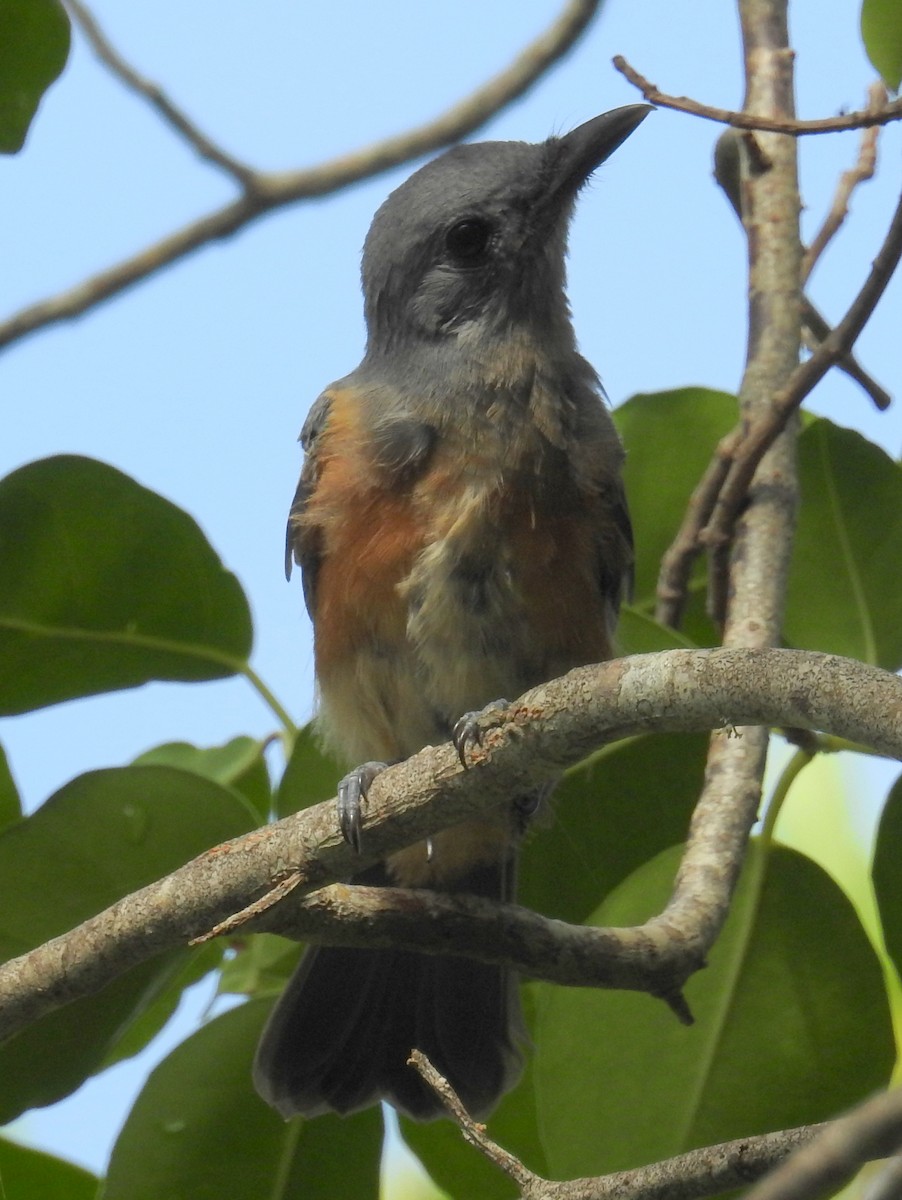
pixel 473 244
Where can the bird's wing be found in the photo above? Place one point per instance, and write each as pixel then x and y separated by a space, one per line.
pixel 303 541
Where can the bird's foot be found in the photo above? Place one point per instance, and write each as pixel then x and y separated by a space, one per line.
pixel 352 793
pixel 467 732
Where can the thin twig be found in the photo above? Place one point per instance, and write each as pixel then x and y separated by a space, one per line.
pixel 816 330
pixel 277 893
pixel 744 120
pixel 676 565
pixel 155 96
pixel 848 181
pixel 274 190
pixel 472 1131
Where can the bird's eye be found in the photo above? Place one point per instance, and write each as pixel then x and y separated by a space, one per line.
pixel 467 241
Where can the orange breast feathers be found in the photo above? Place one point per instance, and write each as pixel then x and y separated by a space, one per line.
pixel 445 590
pixel 367 536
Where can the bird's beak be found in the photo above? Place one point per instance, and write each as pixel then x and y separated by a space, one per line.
pixel 587 146
pixel 576 155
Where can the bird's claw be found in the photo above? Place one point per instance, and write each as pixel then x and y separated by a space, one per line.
pixel 352 794
pixel 467 732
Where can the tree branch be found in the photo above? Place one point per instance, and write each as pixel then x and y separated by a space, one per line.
pixel 709 1171
pixel 762 549
pixel 704 1172
pixel 811 1160
pixel 265 192
pixel 888 1184
pixel 828 1162
pixel 155 96
pixel 528 744
pixel 439 923
pixel 781 123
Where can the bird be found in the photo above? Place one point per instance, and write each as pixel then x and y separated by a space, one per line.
pixel 463 535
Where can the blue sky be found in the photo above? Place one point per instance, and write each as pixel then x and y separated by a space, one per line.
pixel 197 382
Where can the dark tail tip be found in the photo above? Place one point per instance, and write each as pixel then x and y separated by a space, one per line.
pixel 340 1036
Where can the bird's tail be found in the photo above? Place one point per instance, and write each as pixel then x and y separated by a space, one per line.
pixel 341 1033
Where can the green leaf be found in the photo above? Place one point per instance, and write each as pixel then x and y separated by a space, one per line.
pixel 101 837
pixel 260 967
pixel 639 633
pixel 887 875
pixel 670 438
pixel 27 1174
pixel 34 46
pixel 844 595
pixel 199 1129
pixel 881 31
pixel 609 815
pixel 172 974
pixel 52 1058
pixel 791 1026
pixel 310 777
pixel 106 585
pixel 239 764
pixel 10 804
